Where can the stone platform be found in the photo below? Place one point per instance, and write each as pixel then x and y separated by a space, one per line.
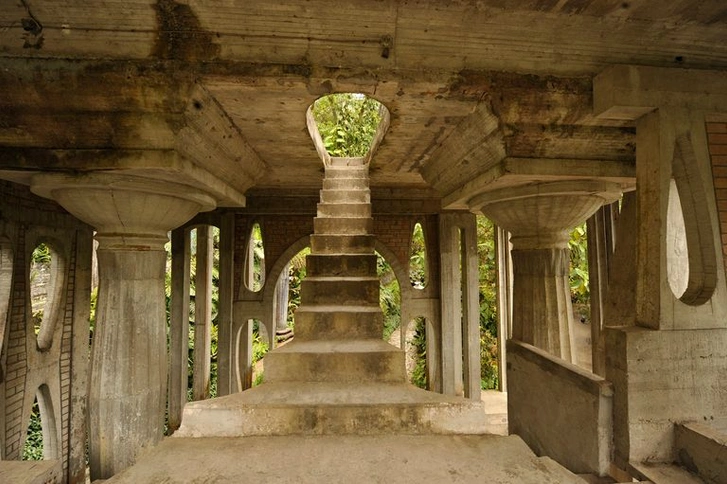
pixel 334 408
pixel 391 459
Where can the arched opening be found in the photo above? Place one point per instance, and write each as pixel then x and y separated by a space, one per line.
pixel 418 260
pixel 41 440
pixel 255 264
pixel 47 279
pixel 347 125
pixel 389 300
pixel 294 274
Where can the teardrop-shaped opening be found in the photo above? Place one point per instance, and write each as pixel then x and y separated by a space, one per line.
pixel 699 259
pixel 347 125
pixel 677 253
pixel 255 264
pixel 41 441
pixel 418 260
pixel 47 269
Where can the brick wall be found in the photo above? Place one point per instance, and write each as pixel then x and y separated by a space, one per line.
pixel 25 220
pixel 717 138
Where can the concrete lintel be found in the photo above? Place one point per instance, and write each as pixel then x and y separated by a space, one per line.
pixel 515 171
pixel 211 140
pixel 20 166
pixel 628 92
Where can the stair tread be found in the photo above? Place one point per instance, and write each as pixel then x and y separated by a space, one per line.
pixel 333 394
pixel 338 346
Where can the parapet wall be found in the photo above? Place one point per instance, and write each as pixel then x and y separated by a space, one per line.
pixel 559 409
pixel 661 378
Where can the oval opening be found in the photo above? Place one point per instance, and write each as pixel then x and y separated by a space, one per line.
pixel 418 261
pixel 255 265
pixel 46 282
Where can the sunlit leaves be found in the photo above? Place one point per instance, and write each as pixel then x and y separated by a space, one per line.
pixel 347 122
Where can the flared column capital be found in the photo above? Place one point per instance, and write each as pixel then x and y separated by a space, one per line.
pixel 540 215
pixel 126 210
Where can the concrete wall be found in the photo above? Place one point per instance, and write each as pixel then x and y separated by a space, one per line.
pixel 56 371
pixel 661 378
pixel 559 409
pixel 701 447
pixel 717 139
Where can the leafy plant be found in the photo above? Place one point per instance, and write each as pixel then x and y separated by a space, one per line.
pixel 347 123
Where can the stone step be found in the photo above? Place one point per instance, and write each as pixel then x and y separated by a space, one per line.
pixel 345 184
pixel 332 408
pixel 342 290
pixel 345 196
pixel 340 245
pixel 350 162
pixel 341 361
pixel 314 321
pixel 344 210
pixel 358 265
pixel 343 226
pixel 347 172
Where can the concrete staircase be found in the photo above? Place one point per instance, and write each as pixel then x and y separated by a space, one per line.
pixel 337 376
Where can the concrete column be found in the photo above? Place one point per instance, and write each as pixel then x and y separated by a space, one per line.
pixel 600 228
pixel 226 343
pixel 280 306
pixel 179 327
pixel 203 314
pixel 504 301
pixel 460 305
pixel 132 216
pixel 539 217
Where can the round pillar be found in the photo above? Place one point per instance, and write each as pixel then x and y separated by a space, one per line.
pixel 127 393
pixel 539 217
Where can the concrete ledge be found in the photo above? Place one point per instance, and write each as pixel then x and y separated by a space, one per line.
pixel 559 409
pixel 701 447
pixel 31 472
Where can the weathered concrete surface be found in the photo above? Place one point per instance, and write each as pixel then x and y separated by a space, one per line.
pixel 292 408
pixel 31 472
pixel 559 409
pixel 662 377
pixel 340 459
pixel 701 447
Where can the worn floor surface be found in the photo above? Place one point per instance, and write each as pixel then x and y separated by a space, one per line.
pixel 345 459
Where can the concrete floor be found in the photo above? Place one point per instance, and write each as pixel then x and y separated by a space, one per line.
pixel 390 459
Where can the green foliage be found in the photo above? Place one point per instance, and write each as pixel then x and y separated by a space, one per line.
pixel 296 274
pixel 41 255
pixel 487 262
pixel 418 259
pixel 578 245
pixel 419 374
pixel 389 296
pixel 258 258
pixel 33 448
pixel 347 123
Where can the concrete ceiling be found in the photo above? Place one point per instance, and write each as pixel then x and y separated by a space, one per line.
pixel 472 86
